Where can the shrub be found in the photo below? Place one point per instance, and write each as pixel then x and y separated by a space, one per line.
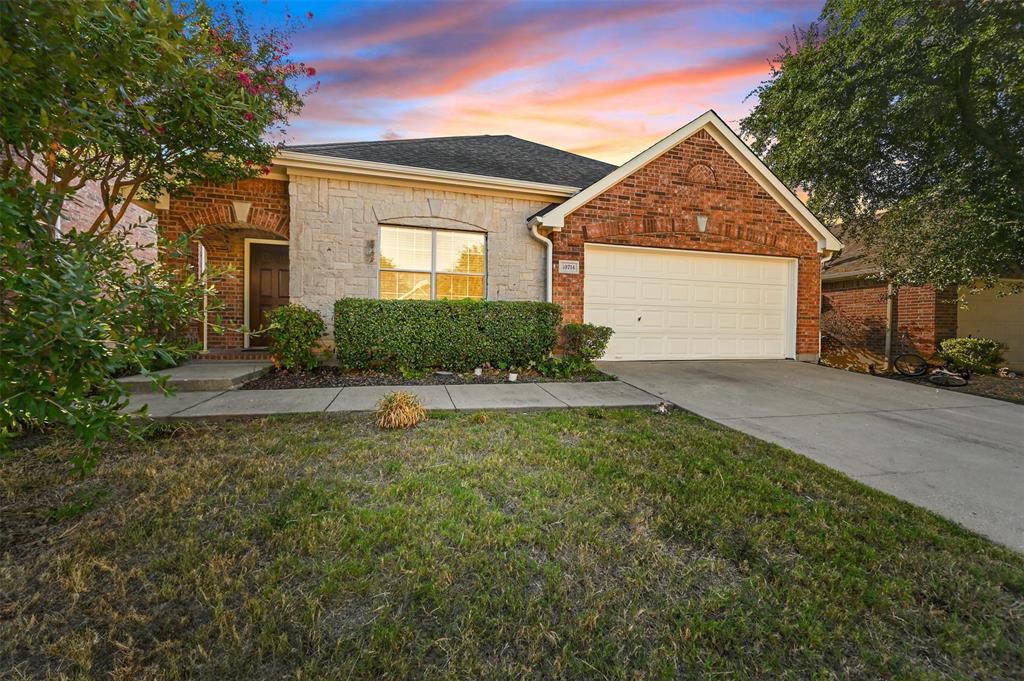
pixel 399 410
pixel 78 310
pixel 978 355
pixel 564 367
pixel 294 331
pixel 585 342
pixel 457 335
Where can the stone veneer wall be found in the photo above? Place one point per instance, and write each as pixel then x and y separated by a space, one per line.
pixel 335 232
pixel 657 207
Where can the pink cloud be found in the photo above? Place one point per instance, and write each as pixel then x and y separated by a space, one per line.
pixel 599 78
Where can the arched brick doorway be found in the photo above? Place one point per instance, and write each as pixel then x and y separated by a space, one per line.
pixel 230 219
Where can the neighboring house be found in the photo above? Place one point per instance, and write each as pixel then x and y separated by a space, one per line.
pixel 854 313
pixel 691 250
pixel 84 206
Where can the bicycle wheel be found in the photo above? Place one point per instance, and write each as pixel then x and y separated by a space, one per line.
pixel 947 379
pixel 911 365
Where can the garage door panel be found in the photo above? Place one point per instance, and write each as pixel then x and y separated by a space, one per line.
pixel 678 319
pixel 678 293
pixel 703 293
pixel 625 319
pixel 750 321
pixel 654 291
pixel 666 304
pixel 750 295
pixel 728 295
pixel 773 275
pixel 703 320
pixel 771 322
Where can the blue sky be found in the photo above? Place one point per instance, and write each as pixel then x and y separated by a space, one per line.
pixel 601 78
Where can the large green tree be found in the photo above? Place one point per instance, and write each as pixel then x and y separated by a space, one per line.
pixel 904 122
pixel 139 97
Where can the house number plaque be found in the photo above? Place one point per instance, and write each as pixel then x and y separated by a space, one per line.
pixel 568 266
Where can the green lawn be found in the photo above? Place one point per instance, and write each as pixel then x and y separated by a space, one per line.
pixel 566 544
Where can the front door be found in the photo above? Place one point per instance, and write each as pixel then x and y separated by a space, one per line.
pixel 268 286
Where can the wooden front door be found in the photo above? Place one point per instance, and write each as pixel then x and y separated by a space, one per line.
pixel 268 286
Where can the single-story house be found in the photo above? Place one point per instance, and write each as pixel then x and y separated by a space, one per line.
pixel 693 249
pixel 855 313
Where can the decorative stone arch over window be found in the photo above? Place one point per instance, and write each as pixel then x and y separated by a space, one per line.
pixel 425 222
pixel 701 173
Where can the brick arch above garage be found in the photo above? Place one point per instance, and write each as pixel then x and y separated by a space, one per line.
pixel 657 206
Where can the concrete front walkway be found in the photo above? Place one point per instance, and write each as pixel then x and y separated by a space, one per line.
pixel 474 397
pixel 959 455
pixel 200 375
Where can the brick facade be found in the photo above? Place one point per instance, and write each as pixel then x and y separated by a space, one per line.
pixel 658 205
pixel 853 316
pixel 210 207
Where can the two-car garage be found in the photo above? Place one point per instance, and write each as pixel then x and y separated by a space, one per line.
pixel 692 249
pixel 674 304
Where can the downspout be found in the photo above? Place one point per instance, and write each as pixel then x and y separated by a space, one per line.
pixel 548 247
pixel 890 294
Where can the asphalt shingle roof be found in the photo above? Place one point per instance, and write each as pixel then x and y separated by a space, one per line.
pixel 854 261
pixel 491 155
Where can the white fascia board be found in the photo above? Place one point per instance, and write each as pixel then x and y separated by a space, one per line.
pixel 370 169
pixel 730 141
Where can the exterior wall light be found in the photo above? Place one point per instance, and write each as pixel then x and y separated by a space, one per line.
pixel 702 223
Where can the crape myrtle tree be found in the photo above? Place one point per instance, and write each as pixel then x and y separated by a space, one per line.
pixel 904 122
pixel 140 97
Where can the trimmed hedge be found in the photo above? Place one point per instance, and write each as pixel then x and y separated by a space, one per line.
pixel 457 335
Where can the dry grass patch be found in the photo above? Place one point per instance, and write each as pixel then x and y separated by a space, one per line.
pixel 399 410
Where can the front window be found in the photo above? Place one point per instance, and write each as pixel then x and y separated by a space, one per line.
pixel 424 264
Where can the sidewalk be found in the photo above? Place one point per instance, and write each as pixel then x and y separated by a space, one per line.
pixel 472 397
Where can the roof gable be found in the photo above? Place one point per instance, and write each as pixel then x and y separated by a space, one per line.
pixel 734 146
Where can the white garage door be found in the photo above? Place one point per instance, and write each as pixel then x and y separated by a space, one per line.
pixel 669 304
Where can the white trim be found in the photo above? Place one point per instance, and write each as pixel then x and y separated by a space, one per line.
pixel 206 313
pixel 294 162
pixel 793 281
pixel 792 305
pixel 245 281
pixel 723 134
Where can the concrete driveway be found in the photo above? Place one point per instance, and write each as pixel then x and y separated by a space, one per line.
pixel 958 455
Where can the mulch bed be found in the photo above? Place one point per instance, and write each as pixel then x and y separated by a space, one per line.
pixel 333 377
pixel 1006 389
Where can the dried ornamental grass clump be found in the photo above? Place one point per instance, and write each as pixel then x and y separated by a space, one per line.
pixel 399 410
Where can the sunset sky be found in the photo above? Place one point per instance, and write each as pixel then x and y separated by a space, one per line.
pixel 604 79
